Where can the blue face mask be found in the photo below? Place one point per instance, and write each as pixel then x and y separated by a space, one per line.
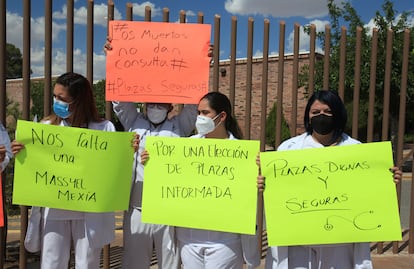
pixel 61 108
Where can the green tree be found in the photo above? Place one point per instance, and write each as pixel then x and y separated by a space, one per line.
pixel 271 128
pixel 384 20
pixel 14 62
pixel 36 96
pixel 99 92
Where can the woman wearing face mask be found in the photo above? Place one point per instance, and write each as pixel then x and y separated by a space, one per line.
pixel 325 120
pixel 74 106
pixel 203 249
pixel 140 239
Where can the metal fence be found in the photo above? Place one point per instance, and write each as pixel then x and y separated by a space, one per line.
pixel 245 94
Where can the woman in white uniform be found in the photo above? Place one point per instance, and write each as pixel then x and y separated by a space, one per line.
pixel 74 106
pixel 203 249
pixel 325 119
pixel 5 148
pixel 140 239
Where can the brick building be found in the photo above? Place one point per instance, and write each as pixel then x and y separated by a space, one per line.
pixel 257 66
pixel 14 89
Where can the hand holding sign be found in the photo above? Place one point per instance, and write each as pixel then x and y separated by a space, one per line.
pixel 201 183
pixel 333 195
pixel 73 168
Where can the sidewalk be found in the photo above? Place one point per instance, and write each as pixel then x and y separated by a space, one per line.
pixel 403 260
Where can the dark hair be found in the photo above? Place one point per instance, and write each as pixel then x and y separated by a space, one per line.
pixel 84 105
pixel 219 102
pixel 332 99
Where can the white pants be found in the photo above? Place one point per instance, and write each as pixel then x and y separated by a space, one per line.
pixel 302 257
pixel 140 240
pixel 211 256
pixel 56 243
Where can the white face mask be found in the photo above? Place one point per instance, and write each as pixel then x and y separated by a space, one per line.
pixel 205 124
pixel 156 114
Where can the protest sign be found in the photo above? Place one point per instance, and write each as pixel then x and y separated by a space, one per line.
pixel 157 62
pixel 330 195
pixel 72 168
pixel 201 183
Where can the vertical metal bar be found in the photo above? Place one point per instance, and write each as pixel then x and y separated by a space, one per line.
pixel 69 35
pixel 249 78
pixel 401 117
pixel 3 112
pixel 312 58
pixel 183 16
pixel 26 116
pixel 147 16
pixel 342 64
pixel 165 15
pixel 89 41
pixel 326 61
pixel 295 72
pixel 106 251
pixel 47 89
pixel 89 76
pixel 200 17
pixel 386 102
pixel 216 56
pixel 281 65
pixel 265 76
pixel 372 82
pixel 387 85
pixel 357 82
pixel 411 227
pixel 263 113
pixel 26 59
pixel 265 79
pixel 129 14
pixel 110 17
pixel 386 97
pixel 3 54
pixel 233 55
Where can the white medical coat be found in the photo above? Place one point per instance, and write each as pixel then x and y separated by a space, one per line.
pixel 249 243
pixel 99 227
pixel 278 257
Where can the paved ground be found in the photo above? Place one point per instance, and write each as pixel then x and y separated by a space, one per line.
pixel 403 260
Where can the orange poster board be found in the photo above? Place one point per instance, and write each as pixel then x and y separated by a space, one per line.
pixel 157 62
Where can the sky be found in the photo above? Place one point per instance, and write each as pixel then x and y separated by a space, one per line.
pixel 303 12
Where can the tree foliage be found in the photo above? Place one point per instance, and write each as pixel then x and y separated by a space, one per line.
pixel 36 96
pixel 271 128
pixel 14 62
pixel 386 19
pixel 99 92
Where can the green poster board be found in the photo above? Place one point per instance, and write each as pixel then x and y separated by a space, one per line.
pixel 330 195
pixel 201 183
pixel 72 168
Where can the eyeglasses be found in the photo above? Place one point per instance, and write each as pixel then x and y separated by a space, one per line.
pixel 158 105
